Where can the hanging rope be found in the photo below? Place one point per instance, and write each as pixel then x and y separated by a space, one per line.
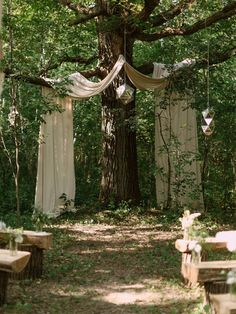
pixel 125 92
pixel 208 113
pixel 125 43
pixel 208 74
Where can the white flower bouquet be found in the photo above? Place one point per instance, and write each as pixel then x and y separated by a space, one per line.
pixel 15 237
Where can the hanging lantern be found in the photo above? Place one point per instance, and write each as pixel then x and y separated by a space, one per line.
pixel 125 93
pixel 208 124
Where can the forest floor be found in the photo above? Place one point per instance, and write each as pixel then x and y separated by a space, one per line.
pixel 130 267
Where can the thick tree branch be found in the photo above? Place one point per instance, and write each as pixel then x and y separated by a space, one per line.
pixel 69 4
pixel 78 8
pixel 40 81
pixel 26 78
pixel 227 12
pixel 86 17
pixel 174 11
pixel 84 13
pixel 146 68
pixel 149 6
pixel 216 59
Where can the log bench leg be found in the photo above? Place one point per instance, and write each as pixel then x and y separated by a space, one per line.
pixel 34 268
pixel 186 258
pixel 215 287
pixel 3 286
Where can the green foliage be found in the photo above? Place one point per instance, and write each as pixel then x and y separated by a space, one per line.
pixel 87 147
pixel 39 219
pixel 218 151
pixel 199 232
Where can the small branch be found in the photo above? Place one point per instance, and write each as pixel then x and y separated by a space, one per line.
pixel 8 155
pixel 218 58
pixel 68 59
pixel 70 5
pixel 227 12
pixel 87 17
pixel 84 13
pixel 168 204
pixel 174 11
pixel 149 7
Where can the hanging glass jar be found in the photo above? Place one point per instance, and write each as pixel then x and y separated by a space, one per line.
pixel 13 246
pixel 125 93
pixel 208 124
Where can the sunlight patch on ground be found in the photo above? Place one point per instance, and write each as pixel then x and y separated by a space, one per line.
pixel 139 294
pixel 103 271
pixel 91 229
pixel 148 292
pixel 109 249
pixel 131 297
pixel 137 232
pixel 66 292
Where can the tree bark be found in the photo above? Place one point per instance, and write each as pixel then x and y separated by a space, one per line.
pixel 119 181
pixel 3 287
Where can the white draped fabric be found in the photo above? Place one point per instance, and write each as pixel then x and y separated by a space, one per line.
pixel 79 87
pixel 176 146
pixel 144 82
pixel 55 160
pixel 55 176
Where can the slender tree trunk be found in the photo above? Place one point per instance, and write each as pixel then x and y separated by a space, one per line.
pixel 119 154
pixel 14 123
pixel 17 177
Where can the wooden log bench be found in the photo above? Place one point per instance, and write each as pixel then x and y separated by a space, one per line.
pixel 223 303
pixel 185 247
pixel 35 243
pixel 10 264
pixel 211 274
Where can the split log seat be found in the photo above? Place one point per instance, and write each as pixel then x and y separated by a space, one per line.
pixel 10 264
pixel 211 274
pixel 212 243
pixel 35 243
pixel 209 271
pixel 223 303
pixel 184 247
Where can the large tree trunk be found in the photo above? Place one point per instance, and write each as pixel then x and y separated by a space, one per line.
pixel 119 154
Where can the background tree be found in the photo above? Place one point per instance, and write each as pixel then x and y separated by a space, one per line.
pixel 120 24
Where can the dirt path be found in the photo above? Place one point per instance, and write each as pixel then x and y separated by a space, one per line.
pixel 101 269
